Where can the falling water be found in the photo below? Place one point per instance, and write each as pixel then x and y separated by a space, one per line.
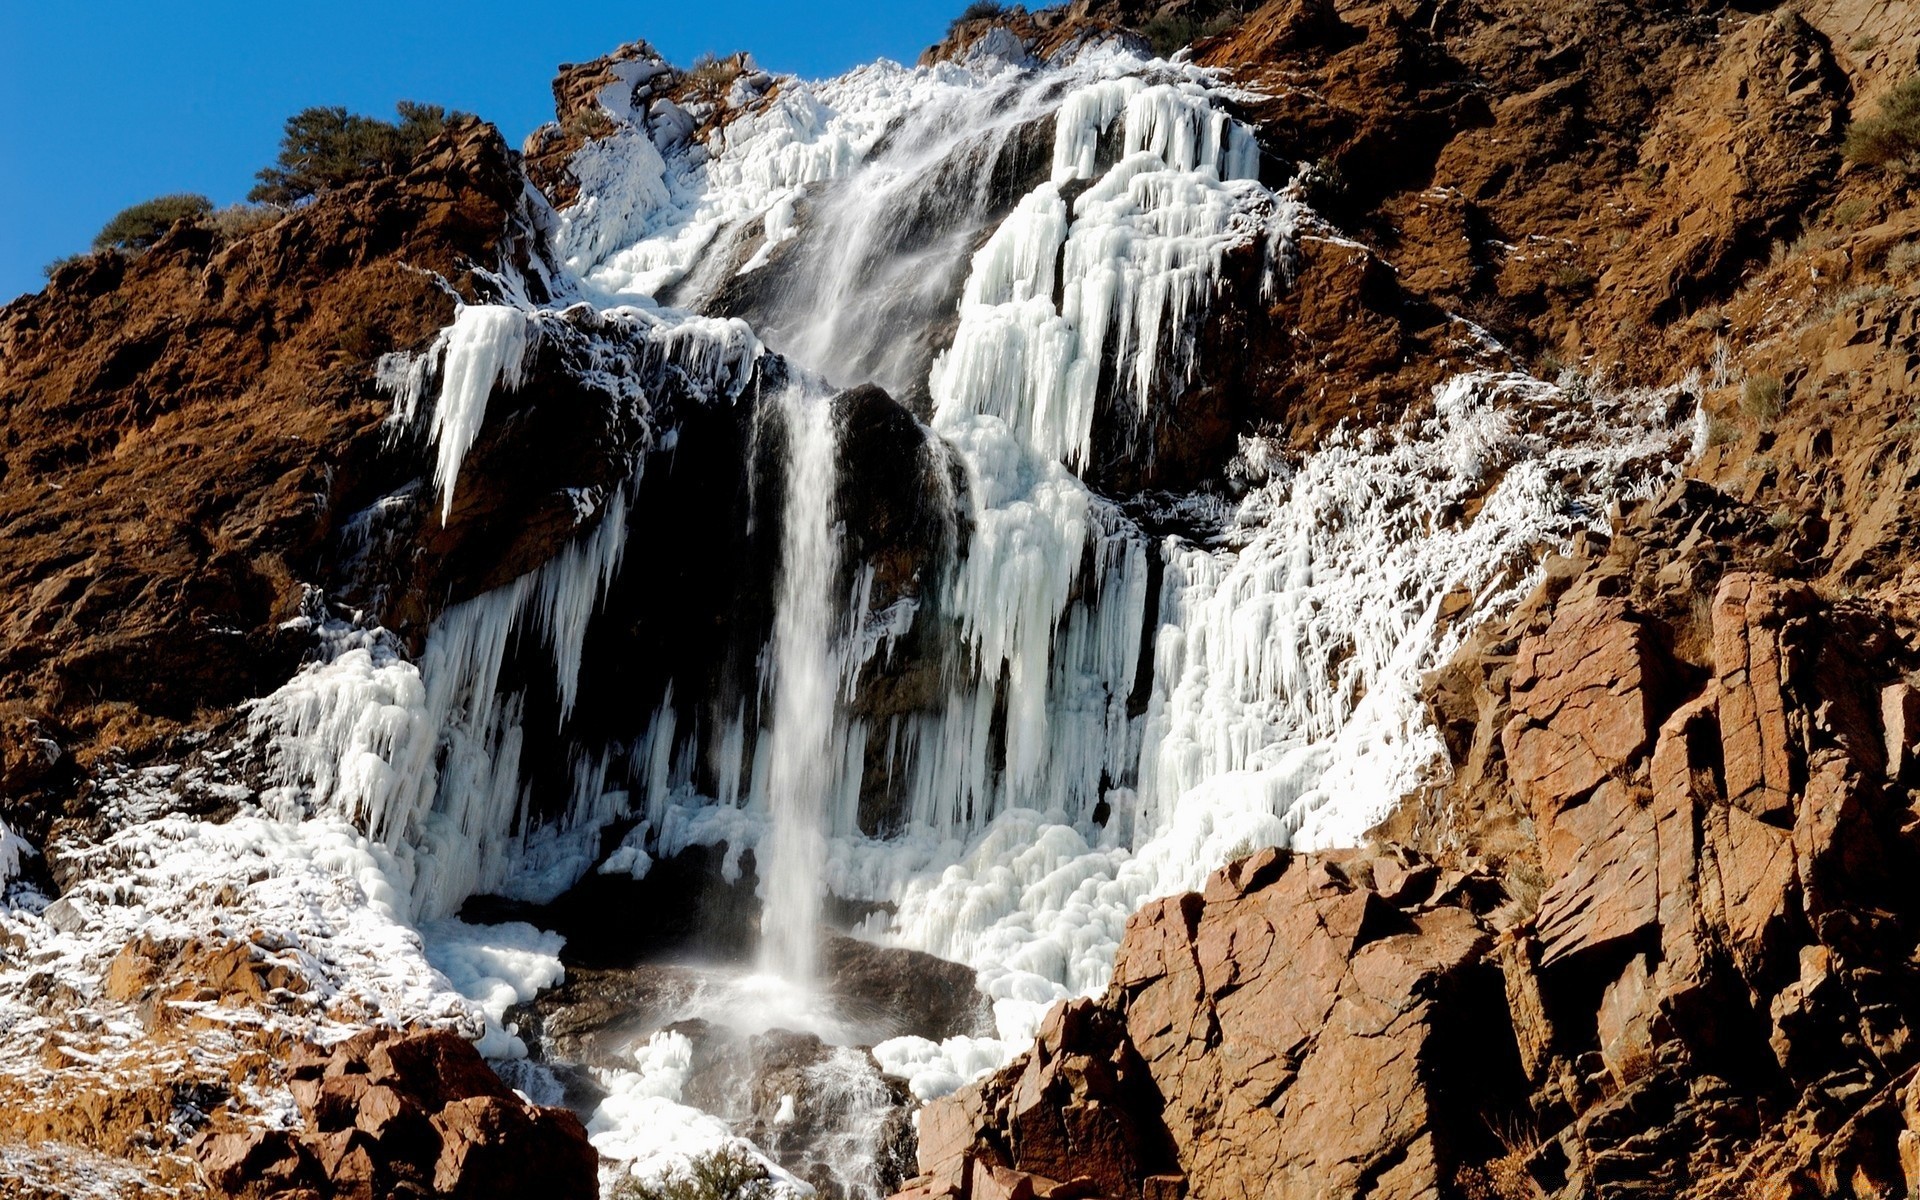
pixel 806 681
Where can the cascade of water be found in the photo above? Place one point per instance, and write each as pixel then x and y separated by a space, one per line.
pixel 807 682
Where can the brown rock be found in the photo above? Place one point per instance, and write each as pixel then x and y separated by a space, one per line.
pixel 1585 697
pixel 250 1164
pixel 1749 614
pixel 493 1149
pixel 1603 859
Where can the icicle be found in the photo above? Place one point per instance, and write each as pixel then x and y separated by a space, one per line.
pixel 485 346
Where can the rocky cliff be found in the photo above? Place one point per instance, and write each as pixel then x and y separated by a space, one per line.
pixel 1646 930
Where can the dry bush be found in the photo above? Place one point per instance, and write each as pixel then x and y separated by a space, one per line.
pixel 1761 396
pixel 1889 139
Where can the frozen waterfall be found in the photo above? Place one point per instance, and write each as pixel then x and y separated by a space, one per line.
pixel 1024 251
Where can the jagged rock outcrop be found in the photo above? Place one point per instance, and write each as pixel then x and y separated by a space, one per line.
pixel 413 1114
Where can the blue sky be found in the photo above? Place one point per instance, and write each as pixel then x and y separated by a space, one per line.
pixel 106 104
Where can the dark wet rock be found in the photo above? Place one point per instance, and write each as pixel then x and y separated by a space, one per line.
pixel 902 990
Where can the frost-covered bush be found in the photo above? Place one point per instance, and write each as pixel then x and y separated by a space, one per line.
pixel 326 147
pixel 1891 137
pixel 142 225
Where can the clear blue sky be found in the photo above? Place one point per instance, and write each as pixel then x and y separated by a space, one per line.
pixel 103 104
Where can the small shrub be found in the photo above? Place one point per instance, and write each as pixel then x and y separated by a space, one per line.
pixel 142 225
pixel 1720 431
pixel 236 221
pixel 709 78
pixel 1849 212
pixel 1572 277
pixel 1891 137
pixel 1855 297
pixel 53 268
pixel 981 10
pixel 1760 396
pixel 1712 319
pixel 728 1174
pixel 589 123
pixel 1865 43
pixel 1169 34
pixel 328 147
pixel 1324 186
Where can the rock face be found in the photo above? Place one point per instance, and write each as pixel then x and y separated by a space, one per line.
pixel 403 1114
pixel 1294 1030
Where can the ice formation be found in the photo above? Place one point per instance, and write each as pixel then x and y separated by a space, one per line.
pixel 1285 662
pixel 1042 805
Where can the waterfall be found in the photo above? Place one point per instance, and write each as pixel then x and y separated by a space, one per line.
pixel 807 677
pixel 1022 251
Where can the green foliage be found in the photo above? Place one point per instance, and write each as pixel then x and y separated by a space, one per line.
pixel 140 226
pixel 326 147
pixel 1760 396
pixel 1891 137
pixel 729 1174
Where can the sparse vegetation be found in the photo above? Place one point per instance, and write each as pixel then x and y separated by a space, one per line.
pixel 1855 297
pixel 1902 259
pixel 727 1174
pixel 328 147
pixel 53 268
pixel 1504 1177
pixel 589 123
pixel 1848 212
pixel 982 10
pixel 236 221
pixel 1890 139
pixel 1324 186
pixel 1760 396
pixel 1866 43
pixel 1572 277
pixel 710 78
pixel 143 224
pixel 1720 431
pixel 1712 319
pixel 1168 34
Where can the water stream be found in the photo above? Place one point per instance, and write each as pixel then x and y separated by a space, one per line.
pixel 807 681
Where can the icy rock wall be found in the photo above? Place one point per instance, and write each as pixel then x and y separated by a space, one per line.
pixel 425 756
